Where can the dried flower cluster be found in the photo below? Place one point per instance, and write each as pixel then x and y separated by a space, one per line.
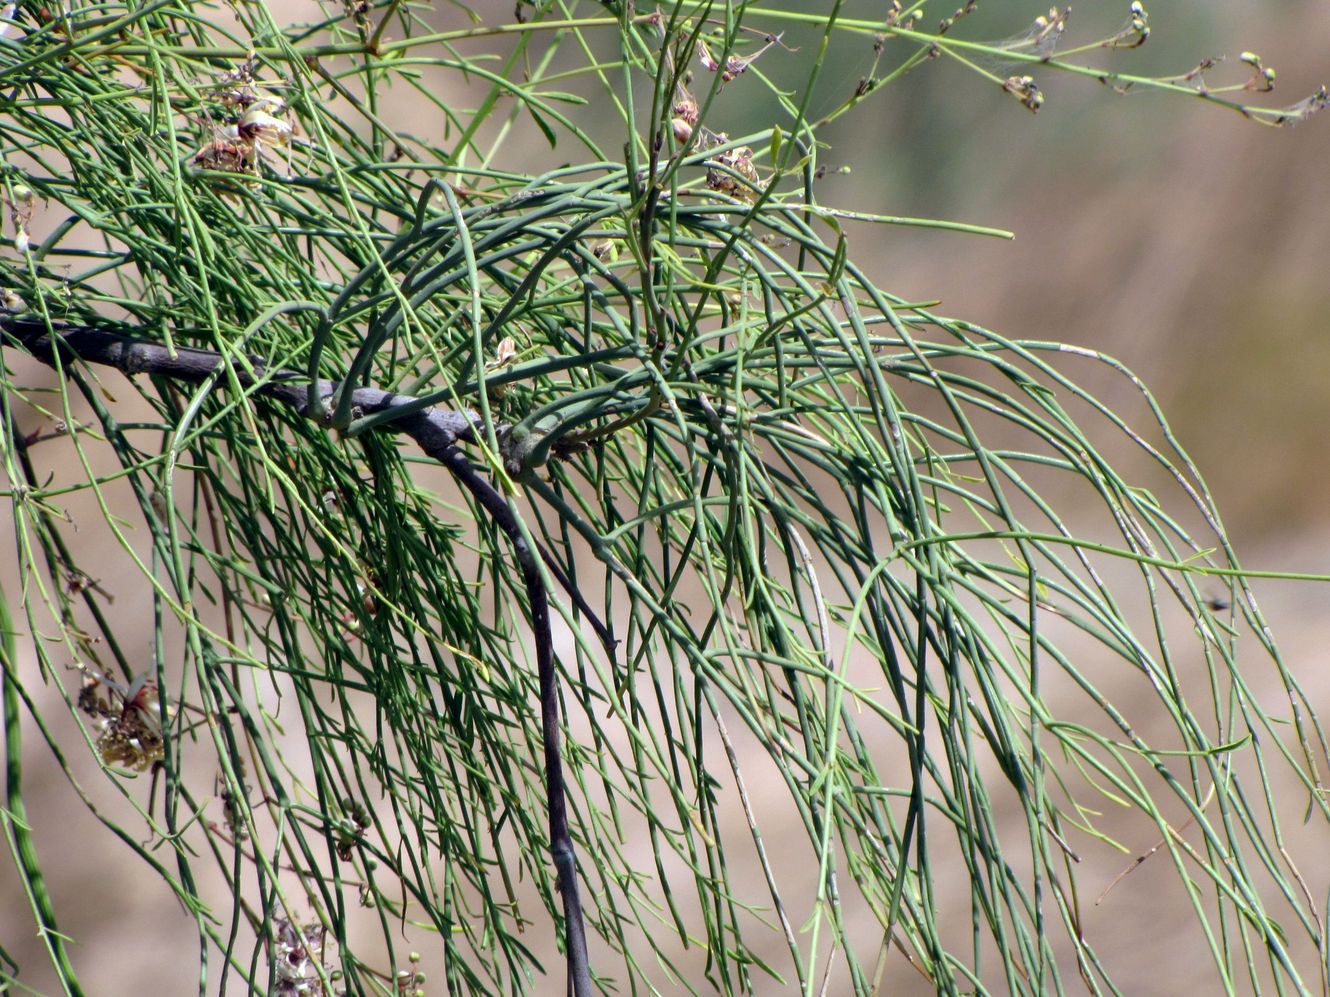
pixel 258 122
pixel 898 18
pixel 739 161
pixel 685 114
pixel 734 65
pixel 1048 30
pixel 1137 30
pixel 296 956
pixel 130 720
pixel 1026 90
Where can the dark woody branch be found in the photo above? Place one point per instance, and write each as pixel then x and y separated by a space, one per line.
pixel 438 433
pixel 434 429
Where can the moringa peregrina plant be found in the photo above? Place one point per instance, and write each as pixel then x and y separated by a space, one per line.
pixel 546 527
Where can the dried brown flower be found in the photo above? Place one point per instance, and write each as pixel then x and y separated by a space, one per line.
pixel 739 160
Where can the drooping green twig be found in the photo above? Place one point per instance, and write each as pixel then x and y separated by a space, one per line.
pixel 438 433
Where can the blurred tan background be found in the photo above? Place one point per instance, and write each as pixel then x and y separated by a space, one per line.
pixel 1190 243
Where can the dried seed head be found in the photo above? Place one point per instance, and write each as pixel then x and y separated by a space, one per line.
pixel 739 160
